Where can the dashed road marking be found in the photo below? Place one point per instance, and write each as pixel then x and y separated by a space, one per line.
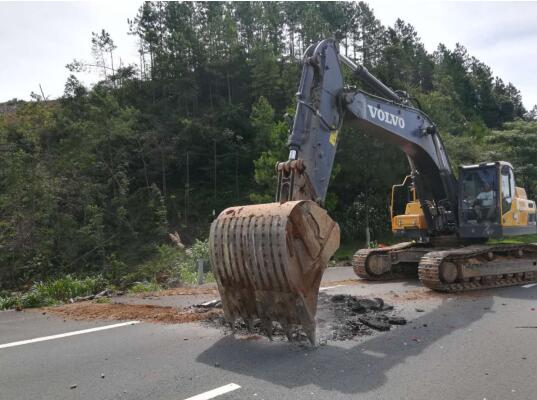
pixel 62 335
pixel 529 285
pixel 215 392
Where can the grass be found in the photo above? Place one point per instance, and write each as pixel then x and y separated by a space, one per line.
pixel 144 287
pixel 515 239
pixel 179 265
pixel 54 292
pixel 346 251
pixel 8 302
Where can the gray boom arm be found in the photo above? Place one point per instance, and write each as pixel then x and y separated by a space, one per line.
pixel 322 105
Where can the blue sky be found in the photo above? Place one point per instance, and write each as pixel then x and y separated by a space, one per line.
pixel 38 39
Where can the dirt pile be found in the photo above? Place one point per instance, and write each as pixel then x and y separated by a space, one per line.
pixel 182 291
pixel 339 317
pixel 147 313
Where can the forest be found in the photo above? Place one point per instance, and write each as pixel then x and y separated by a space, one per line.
pixel 115 179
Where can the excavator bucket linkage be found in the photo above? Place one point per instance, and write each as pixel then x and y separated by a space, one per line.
pixel 268 261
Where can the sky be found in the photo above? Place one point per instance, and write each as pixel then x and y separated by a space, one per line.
pixel 38 39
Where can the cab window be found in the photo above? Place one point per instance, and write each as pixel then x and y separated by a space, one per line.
pixel 479 195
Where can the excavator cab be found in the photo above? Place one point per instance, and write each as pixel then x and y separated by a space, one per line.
pixel 490 205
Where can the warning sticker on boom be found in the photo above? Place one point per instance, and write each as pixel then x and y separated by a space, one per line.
pixel 333 138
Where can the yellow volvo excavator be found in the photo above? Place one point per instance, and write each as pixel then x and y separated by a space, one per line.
pixel 268 259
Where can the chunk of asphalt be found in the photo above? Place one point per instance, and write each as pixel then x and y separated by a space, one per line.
pixel 216 303
pixel 360 306
pixel 338 298
pixel 397 320
pixel 376 323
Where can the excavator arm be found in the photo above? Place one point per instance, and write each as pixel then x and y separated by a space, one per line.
pixel 268 259
pixel 323 103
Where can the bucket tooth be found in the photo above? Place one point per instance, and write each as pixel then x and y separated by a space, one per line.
pixel 266 325
pixel 268 261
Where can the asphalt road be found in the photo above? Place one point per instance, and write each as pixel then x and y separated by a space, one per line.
pixel 468 347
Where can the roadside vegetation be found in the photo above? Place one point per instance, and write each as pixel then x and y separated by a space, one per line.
pixel 173 266
pixel 53 292
pixel 516 239
pixel 94 185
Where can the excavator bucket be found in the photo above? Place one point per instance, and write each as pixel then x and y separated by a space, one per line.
pixel 268 261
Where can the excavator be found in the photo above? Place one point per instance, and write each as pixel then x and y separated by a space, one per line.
pixel 268 259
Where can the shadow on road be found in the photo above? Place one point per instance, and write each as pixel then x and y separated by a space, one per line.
pixel 362 367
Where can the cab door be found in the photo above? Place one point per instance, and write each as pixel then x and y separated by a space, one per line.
pixel 479 201
pixel 510 216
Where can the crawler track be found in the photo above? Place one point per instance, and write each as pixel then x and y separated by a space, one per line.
pixel 362 259
pixel 509 265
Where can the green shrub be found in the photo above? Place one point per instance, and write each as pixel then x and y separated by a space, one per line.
pixel 178 264
pixel 103 300
pixel 8 302
pixel 36 298
pixel 56 291
pixel 166 260
pixel 143 287
pixel 69 287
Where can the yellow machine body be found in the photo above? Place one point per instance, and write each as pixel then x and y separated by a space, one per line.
pixel 520 213
pixel 406 213
pixel 413 218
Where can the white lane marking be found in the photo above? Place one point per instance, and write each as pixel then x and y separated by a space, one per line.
pixel 215 392
pixel 529 285
pixel 330 287
pixel 62 335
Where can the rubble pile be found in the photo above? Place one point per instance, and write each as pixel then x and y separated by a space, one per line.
pixel 339 317
pixel 343 317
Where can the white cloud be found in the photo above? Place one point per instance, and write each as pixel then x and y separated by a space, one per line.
pixel 37 40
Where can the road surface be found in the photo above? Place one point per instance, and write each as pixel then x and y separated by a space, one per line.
pixel 480 346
